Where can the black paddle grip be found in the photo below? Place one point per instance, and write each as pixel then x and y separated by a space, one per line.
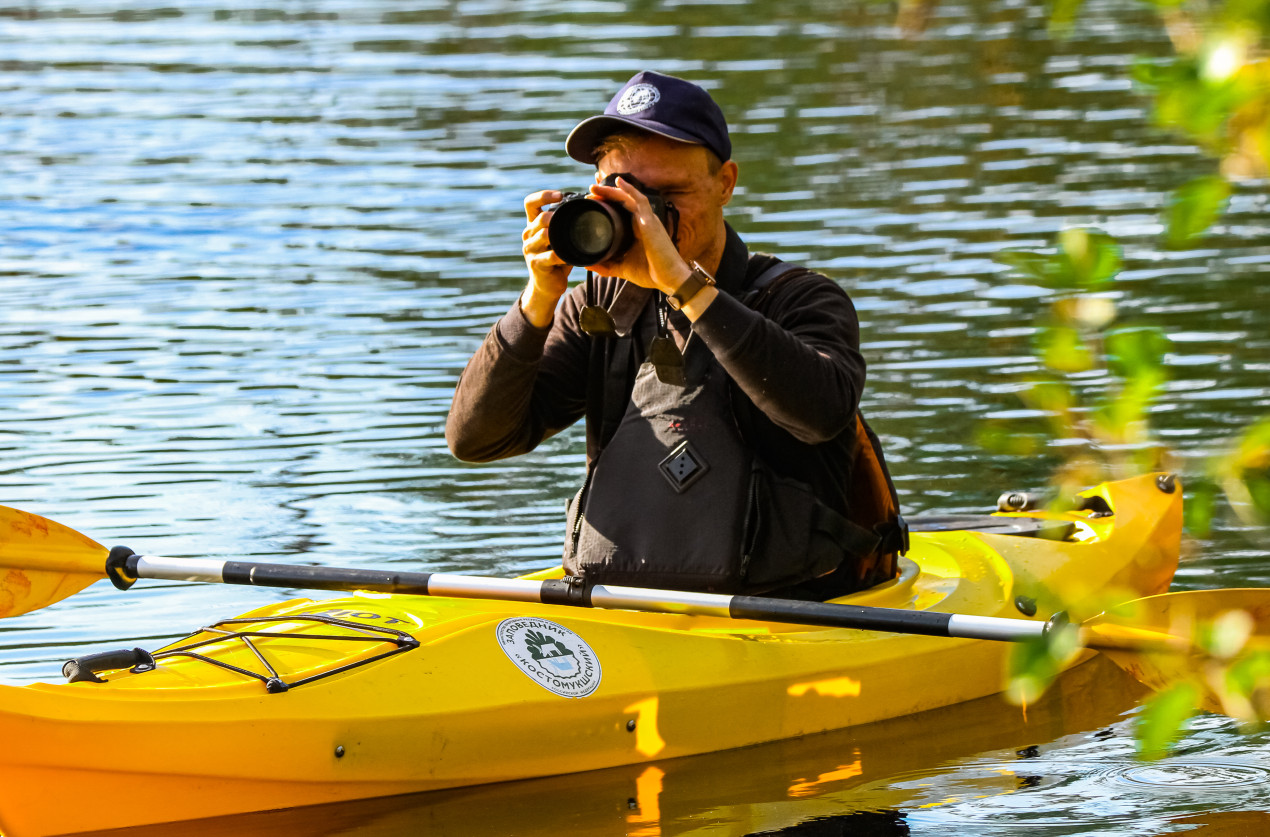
pixel 84 669
pixel 840 616
pixel 324 578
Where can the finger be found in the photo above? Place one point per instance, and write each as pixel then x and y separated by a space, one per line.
pixel 536 241
pixel 545 264
pixel 538 245
pixel 616 194
pixel 537 224
pixel 535 202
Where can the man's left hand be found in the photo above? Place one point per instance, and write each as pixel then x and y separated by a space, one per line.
pixel 652 262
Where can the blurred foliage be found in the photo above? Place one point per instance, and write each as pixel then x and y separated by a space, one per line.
pixel 1242 475
pixel 1193 208
pixel 1090 398
pixel 1214 90
pixel 1227 670
pixel 1098 375
pixel 1035 663
pixel 1163 716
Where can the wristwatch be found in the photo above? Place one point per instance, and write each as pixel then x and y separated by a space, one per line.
pixel 692 286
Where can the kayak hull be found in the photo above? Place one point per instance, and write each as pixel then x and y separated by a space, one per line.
pixel 499 691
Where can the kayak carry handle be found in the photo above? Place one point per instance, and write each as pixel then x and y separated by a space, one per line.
pixel 84 669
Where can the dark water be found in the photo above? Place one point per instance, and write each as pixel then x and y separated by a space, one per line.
pixel 246 248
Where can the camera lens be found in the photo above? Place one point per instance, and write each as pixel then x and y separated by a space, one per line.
pixel 592 232
pixel 584 232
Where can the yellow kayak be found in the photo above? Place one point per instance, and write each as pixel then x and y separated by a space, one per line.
pixel 309 702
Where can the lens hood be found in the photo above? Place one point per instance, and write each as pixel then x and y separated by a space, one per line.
pixel 584 231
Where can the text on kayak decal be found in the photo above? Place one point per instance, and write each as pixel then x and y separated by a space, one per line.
pixel 361 614
pixel 553 656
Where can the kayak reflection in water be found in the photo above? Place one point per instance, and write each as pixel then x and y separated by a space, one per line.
pixel 720 388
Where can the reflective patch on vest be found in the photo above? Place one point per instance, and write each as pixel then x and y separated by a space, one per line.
pixel 683 467
pixel 553 656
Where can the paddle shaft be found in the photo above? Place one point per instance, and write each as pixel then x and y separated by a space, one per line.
pixel 124 567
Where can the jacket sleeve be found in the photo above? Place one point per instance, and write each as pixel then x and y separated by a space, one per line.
pixel 523 385
pixel 799 360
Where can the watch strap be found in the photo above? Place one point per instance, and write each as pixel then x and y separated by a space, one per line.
pixel 693 285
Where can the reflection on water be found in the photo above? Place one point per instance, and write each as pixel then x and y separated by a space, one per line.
pixel 247 247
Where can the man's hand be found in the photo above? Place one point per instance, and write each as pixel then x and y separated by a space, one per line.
pixel 548 274
pixel 653 262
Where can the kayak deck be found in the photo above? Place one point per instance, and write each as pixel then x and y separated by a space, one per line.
pixel 487 691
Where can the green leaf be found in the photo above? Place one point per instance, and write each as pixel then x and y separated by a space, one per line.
pixel 1163 715
pixel 1083 259
pixel 1187 101
pixel 1259 493
pixel 1248 674
pixel 1064 350
pixel 1226 635
pixel 1153 72
pixel 1124 415
pixel 1135 351
pixel 1063 14
pixel 1193 208
pixel 1092 256
pixel 1254 447
pixel 1035 663
pixel 1086 311
pixel 1035 266
pixel 1200 507
pixel 1048 396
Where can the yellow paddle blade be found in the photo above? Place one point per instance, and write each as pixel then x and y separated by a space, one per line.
pixel 1193 636
pixel 42 562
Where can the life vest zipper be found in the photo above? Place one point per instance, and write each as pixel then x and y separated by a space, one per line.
pixel 578 518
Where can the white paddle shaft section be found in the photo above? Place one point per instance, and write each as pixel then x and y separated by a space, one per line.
pixel 660 601
pixel 180 569
pixel 994 627
pixel 483 587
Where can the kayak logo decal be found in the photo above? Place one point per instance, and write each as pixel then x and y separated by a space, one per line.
pixel 553 656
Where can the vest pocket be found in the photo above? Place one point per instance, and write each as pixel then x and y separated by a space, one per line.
pixel 791 536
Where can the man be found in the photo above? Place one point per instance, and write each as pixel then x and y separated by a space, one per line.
pixel 720 389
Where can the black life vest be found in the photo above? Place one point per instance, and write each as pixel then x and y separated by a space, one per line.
pixel 678 498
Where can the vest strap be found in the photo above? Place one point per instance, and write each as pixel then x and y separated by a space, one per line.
pixel 627 305
pixel 854 539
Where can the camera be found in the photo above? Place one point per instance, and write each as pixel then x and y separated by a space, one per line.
pixel 585 231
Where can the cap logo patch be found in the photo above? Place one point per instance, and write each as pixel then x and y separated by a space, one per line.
pixel 639 98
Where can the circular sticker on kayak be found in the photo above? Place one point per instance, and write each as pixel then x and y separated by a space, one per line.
pixel 552 655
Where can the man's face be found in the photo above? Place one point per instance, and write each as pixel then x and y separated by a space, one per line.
pixel 681 172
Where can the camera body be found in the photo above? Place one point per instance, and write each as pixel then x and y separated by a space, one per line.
pixel 584 230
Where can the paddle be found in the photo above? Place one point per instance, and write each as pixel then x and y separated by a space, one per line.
pixel 42 562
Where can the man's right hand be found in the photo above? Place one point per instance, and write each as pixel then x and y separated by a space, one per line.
pixel 548 273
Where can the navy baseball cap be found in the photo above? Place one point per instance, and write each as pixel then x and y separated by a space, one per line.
pixel 661 104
